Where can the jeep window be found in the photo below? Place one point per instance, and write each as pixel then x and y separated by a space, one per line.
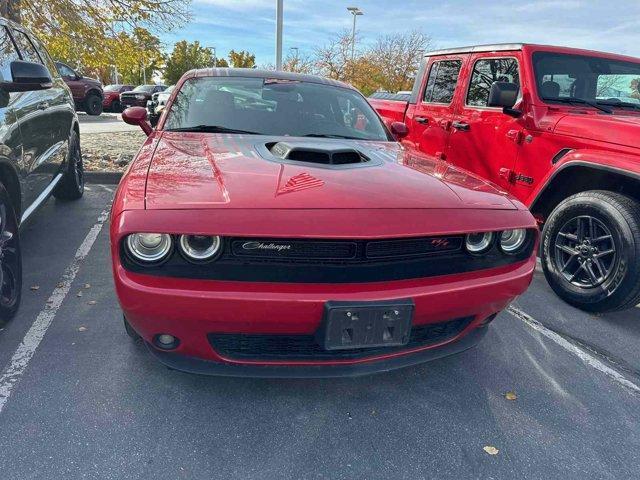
pixel 8 54
pixel 600 80
pixel 266 106
pixel 442 81
pixel 487 71
pixel 28 51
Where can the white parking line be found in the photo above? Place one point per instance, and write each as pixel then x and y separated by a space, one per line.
pixel 581 353
pixel 23 354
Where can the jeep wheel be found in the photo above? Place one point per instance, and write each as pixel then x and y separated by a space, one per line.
pixel 10 260
pixel 116 106
pixel 93 104
pixel 71 186
pixel 591 251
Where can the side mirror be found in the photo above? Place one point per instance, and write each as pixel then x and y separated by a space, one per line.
pixel 26 77
pixel 504 94
pixel 399 130
pixel 137 116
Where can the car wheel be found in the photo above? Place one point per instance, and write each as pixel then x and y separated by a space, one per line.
pixel 591 251
pixel 93 104
pixel 116 106
pixel 10 260
pixel 71 187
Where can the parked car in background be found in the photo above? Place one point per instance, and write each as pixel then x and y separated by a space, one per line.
pixel 40 152
pixel 158 102
pixel 139 96
pixel 272 226
pixel 558 128
pixel 111 101
pixel 87 92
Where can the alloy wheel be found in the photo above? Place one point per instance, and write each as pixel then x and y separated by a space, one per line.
pixel 585 252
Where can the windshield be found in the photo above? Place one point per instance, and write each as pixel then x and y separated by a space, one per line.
pixel 112 88
pixel 598 80
pixel 144 88
pixel 273 107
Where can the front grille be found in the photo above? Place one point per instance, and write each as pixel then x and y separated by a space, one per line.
pixel 305 347
pixel 331 261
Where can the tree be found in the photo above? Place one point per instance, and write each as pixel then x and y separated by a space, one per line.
pixel 242 59
pixel 186 56
pixel 92 34
pixel 298 64
pixel 333 58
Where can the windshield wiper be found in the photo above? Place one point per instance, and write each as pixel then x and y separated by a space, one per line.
pixel 210 129
pixel 581 101
pixel 635 106
pixel 330 135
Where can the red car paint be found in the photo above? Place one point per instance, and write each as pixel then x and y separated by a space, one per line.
pixel 112 94
pixel 524 155
pixel 215 184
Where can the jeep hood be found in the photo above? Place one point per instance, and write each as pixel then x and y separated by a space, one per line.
pixel 205 171
pixel 619 128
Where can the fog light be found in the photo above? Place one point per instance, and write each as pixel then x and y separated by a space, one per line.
pixel 166 341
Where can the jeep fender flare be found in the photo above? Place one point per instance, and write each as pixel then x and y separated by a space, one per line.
pixel 619 164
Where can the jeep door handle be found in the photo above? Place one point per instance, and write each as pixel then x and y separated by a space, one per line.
pixel 422 120
pixel 464 127
pixel 43 105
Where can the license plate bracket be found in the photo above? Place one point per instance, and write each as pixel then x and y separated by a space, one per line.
pixel 354 325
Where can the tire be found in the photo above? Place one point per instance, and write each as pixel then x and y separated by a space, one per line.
pixel 116 106
pixel 93 104
pixel 71 187
pixel 10 260
pixel 591 251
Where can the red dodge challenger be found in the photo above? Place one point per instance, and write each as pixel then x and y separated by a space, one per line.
pixel 271 225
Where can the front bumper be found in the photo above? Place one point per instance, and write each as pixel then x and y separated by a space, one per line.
pixel 192 309
pixel 133 102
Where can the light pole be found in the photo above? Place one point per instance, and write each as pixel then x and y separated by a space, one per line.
pixel 297 50
pixel 215 63
pixel 355 11
pixel 279 8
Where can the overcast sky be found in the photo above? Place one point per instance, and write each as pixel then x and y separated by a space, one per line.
pixel 250 24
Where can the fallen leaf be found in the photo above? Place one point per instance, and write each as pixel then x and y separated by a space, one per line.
pixel 510 396
pixel 491 450
pixel 91 302
pixel 60 285
pixel 79 294
pixel 35 287
pixel 87 285
pixel 82 329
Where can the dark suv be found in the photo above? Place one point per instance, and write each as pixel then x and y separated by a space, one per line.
pixel 87 92
pixel 39 147
pixel 139 96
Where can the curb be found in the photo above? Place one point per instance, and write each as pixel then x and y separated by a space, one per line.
pixel 108 178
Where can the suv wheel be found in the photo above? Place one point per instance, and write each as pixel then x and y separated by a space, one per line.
pixel 71 187
pixel 591 251
pixel 93 104
pixel 116 106
pixel 10 260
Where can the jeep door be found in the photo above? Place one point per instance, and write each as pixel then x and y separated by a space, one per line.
pixel 483 139
pixel 42 119
pixel 429 120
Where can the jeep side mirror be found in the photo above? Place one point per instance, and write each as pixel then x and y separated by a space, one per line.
pixel 137 116
pixel 399 130
pixel 504 94
pixel 27 77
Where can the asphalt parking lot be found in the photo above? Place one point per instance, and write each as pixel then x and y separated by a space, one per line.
pixel 78 399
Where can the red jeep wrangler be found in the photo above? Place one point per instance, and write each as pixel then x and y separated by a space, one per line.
pixel 559 128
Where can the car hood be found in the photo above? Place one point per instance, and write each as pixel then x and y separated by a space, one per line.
pixel 203 171
pixel 620 128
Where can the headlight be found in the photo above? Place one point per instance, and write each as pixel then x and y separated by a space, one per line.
pixel 200 247
pixel 512 240
pixel 149 247
pixel 478 242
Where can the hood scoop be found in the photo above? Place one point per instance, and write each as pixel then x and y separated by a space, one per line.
pixel 319 153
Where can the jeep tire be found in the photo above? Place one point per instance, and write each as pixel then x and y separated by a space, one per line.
pixel 10 260
pixel 591 251
pixel 71 186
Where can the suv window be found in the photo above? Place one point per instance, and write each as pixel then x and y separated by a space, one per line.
pixel 442 81
pixel 65 70
pixel 8 54
pixel 27 49
pixel 487 71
